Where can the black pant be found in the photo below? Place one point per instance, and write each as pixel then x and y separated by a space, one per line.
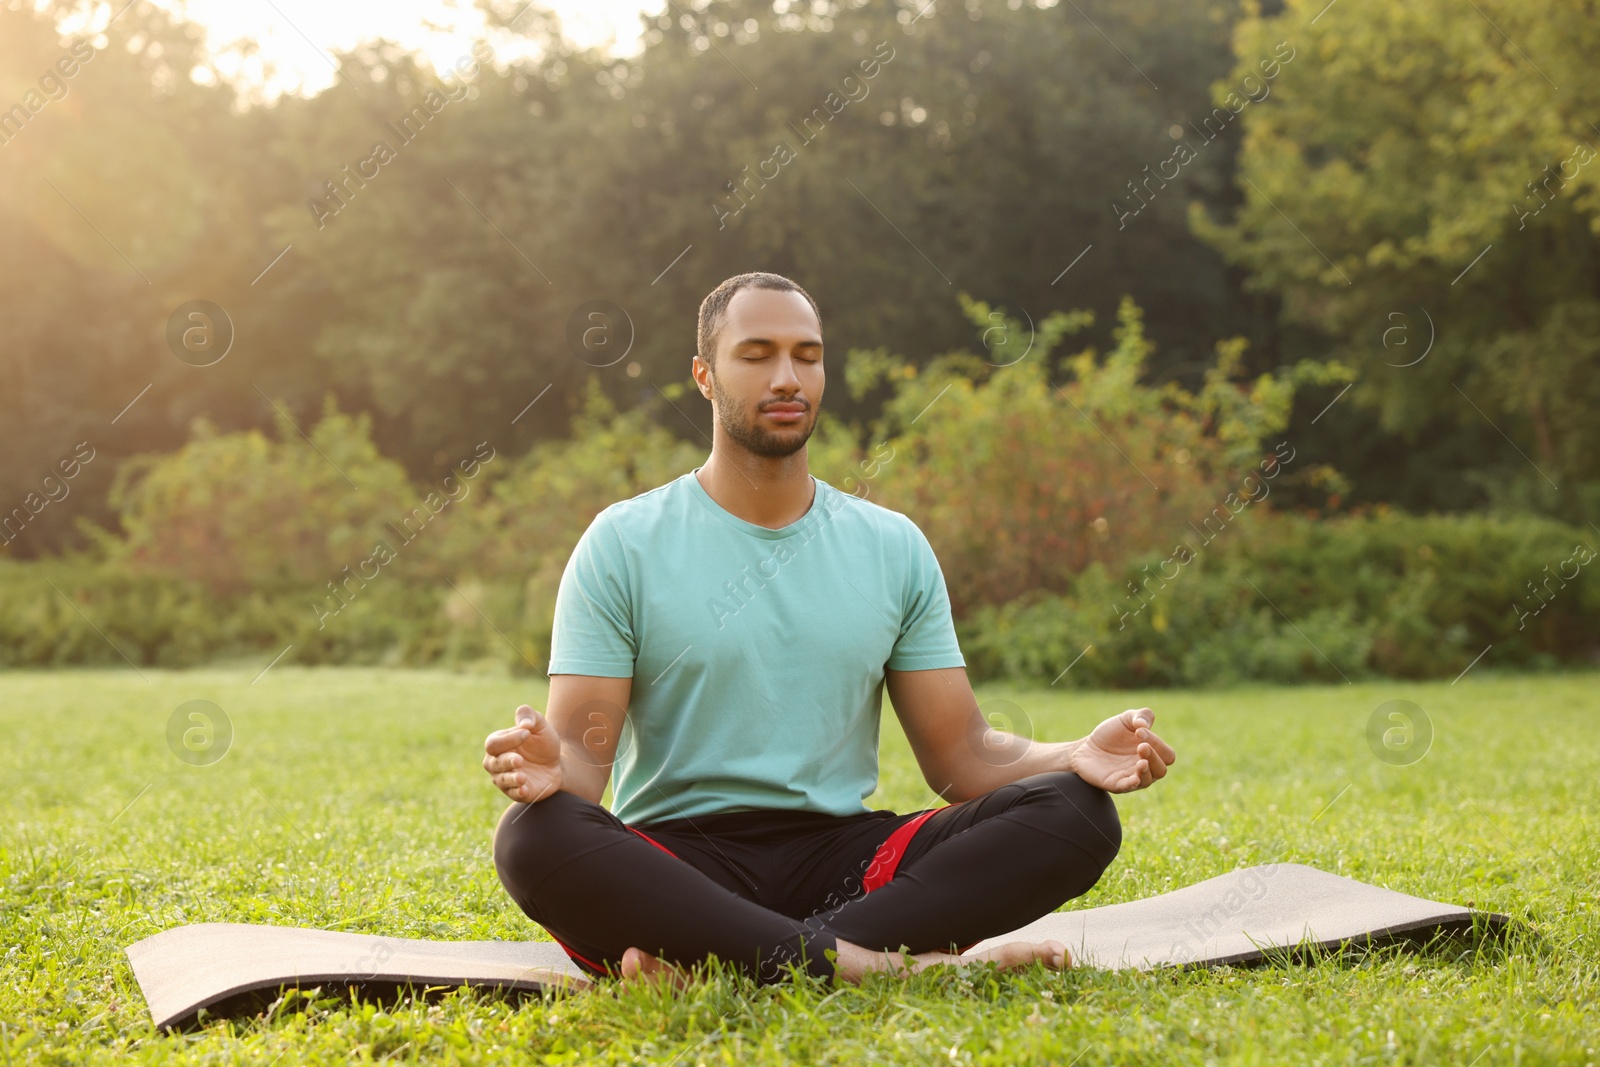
pixel 761 889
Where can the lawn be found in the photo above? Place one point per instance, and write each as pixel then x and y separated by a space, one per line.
pixel 352 799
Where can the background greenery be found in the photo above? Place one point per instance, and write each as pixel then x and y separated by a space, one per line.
pixel 351 799
pixel 1066 561
pixel 1365 240
pixel 1274 208
pixel 1001 140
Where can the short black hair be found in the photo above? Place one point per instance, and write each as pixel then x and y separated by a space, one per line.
pixel 714 308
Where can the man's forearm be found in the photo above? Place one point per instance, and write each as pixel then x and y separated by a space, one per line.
pixel 994 758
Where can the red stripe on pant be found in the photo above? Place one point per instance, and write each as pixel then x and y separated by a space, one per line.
pixel 886 861
pixel 656 843
pixel 585 961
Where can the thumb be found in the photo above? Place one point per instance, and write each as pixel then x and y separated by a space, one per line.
pixel 529 719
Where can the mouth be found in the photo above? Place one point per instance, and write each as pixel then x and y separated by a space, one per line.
pixel 785 412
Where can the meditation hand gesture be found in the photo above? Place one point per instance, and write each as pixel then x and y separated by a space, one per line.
pixel 1122 754
pixel 525 760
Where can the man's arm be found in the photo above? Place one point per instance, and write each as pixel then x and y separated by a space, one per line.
pixel 570 747
pixel 962 756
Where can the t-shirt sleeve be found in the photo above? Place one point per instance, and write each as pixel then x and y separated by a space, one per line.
pixel 594 632
pixel 927 632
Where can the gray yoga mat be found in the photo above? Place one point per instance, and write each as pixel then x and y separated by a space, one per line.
pixel 1240 916
pixel 235 968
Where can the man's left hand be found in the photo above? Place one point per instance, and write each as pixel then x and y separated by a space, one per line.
pixel 1123 754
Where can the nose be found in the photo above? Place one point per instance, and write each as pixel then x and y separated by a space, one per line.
pixel 785 380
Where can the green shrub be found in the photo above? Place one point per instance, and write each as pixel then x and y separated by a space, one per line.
pixel 240 510
pixel 540 505
pixel 1020 484
pixel 1288 599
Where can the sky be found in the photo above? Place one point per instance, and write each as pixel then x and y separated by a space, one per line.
pixel 293 37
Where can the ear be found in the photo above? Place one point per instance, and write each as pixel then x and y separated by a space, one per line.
pixel 702 375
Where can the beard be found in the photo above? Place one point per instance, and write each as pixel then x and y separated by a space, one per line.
pixel 742 423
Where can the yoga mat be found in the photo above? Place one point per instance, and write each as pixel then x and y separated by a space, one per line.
pixel 1239 916
pixel 236 968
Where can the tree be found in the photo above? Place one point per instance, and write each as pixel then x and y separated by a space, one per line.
pixel 1426 174
pixel 121 199
pixel 882 157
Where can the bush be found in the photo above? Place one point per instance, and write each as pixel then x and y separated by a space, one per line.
pixel 238 545
pixel 1020 484
pixel 238 511
pixel 1288 599
pixel 540 505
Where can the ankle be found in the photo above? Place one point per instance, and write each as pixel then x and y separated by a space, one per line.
pixel 854 962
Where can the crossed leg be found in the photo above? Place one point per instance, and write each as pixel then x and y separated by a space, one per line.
pixel 994 863
pixel 969 871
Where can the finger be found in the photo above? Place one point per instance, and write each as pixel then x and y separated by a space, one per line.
pixel 510 784
pixel 1163 749
pixel 1151 762
pixel 1158 769
pixel 511 761
pixel 505 740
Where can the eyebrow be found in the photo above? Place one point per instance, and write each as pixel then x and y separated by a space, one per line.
pixel 767 341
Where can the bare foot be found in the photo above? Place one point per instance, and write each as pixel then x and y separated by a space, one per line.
pixel 1015 954
pixel 641 966
pixel 854 961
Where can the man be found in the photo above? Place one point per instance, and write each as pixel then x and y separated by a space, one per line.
pixel 724 640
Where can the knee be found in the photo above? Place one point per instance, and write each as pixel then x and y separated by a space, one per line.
pixel 534 837
pixel 1084 814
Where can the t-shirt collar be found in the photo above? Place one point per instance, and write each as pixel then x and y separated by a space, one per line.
pixel 798 526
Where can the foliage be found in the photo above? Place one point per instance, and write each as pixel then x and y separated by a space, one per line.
pixel 544 502
pixel 1033 494
pixel 83 611
pixel 437 297
pixel 1425 189
pixel 1284 599
pixel 236 510
pixel 1021 483
pixel 240 545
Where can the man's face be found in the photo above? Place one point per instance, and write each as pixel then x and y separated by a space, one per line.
pixel 766 383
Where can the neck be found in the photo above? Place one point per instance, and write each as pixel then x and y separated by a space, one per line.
pixel 770 491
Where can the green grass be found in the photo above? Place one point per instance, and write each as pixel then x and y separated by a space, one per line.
pixel 352 799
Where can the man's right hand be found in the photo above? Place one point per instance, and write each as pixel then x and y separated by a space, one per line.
pixel 525 760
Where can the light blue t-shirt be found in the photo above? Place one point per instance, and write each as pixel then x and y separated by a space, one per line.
pixel 757 655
